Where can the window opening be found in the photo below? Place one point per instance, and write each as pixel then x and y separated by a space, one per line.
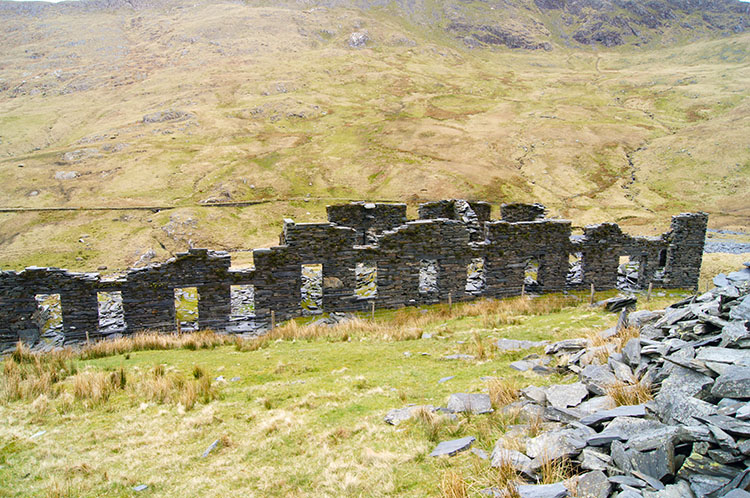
pixel 531 273
pixel 428 274
pixel 186 307
pixel 366 275
pixel 475 277
pixel 312 289
pixel 111 313
pixel 48 315
pixel 575 269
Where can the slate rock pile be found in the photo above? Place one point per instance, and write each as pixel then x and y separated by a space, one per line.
pixel 691 440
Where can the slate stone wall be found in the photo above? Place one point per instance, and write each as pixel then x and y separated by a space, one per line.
pixel 377 235
pixel 515 212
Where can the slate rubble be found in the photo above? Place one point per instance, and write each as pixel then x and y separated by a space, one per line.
pixel 691 440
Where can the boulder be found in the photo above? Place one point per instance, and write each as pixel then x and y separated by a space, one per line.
pixel 565 395
pixel 474 403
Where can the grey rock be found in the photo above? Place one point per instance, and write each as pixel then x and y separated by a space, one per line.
pixel 596 404
pixel 556 444
pixel 742 310
pixel 629 493
pixel 632 352
pixel 535 394
pixel 458 357
pixel 703 485
pixel 733 383
pixel 620 411
pixel 398 415
pixel 725 355
pixel 514 345
pixel 642 317
pixel 622 429
pixel 653 464
pixel 729 407
pixel 702 465
pixel 728 424
pixel 733 334
pixel 597 378
pixel 567 345
pixel 593 485
pixel 557 490
pixel 140 487
pixel 210 448
pixel 724 457
pixel 445 379
pixel 522 365
pixel 737 493
pixel 628 481
pixel 465 402
pixel 480 453
pixel 504 456
pixel 676 407
pixel 592 459
pixel 743 413
pixel 358 39
pixel 565 395
pixel 450 448
pixel 680 489
pixel 66 175
pixel 622 371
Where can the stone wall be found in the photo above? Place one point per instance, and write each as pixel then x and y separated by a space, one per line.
pixel 456 237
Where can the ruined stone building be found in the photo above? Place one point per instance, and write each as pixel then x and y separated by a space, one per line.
pixel 365 253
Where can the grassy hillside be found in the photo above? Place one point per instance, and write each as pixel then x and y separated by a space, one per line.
pixel 274 104
pixel 298 416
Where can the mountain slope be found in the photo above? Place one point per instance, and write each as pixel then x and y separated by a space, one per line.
pixel 188 106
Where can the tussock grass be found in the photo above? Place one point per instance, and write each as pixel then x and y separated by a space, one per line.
pixel 556 470
pixel 624 393
pixel 95 388
pixel 28 375
pixel 453 485
pixel 150 341
pixel 503 392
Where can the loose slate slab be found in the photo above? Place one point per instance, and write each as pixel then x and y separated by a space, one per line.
pixel 565 395
pixel 596 404
pixel 503 456
pixel 741 312
pixel 450 448
pixel 597 378
pixel 592 459
pixel 620 411
pixel 733 383
pixel 557 490
pixel 398 415
pixel 632 352
pixel 725 355
pixel 622 429
pixel 593 485
pixel 566 345
pixel 680 489
pixel 465 402
pixel 535 394
pixel 556 444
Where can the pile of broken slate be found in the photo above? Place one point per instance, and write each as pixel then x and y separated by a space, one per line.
pixel 691 440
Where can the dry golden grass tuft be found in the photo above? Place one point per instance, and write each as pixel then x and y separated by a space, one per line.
pixel 95 388
pixel 556 470
pixel 503 392
pixel 624 393
pixel 28 375
pixel 453 485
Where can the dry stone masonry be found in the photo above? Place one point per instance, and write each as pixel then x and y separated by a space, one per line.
pixel 362 244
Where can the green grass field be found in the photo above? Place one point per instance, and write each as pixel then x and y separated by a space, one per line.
pixel 302 417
